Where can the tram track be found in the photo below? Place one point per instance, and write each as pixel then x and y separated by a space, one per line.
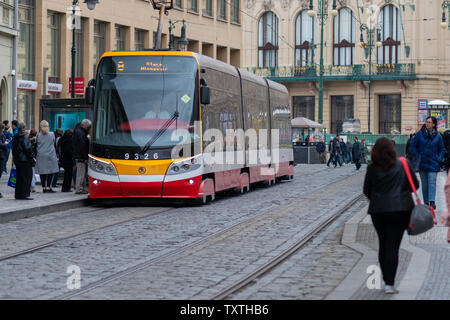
pixel 94 210
pixel 204 241
pixel 283 256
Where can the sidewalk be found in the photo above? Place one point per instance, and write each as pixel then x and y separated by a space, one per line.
pixel 42 203
pixel 424 260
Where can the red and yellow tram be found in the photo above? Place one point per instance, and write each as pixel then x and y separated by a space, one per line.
pixel 170 124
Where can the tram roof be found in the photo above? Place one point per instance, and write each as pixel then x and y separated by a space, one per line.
pixel 209 62
pixel 277 86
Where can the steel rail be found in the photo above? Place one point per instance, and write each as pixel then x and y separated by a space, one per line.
pixel 240 284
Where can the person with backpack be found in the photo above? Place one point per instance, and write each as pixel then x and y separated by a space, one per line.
pixel 320 148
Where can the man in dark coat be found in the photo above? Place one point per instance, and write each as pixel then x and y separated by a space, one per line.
pixel 320 148
pixel 337 152
pixel 24 161
pixel 81 154
pixel 356 153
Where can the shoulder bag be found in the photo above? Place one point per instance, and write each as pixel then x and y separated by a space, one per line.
pixel 423 217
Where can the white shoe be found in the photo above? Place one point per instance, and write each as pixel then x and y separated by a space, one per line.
pixel 390 290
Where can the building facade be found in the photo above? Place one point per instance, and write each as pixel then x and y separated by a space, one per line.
pixel 7 75
pixel 44 50
pixel 384 86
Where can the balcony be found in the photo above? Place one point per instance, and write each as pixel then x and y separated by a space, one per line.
pixel 358 72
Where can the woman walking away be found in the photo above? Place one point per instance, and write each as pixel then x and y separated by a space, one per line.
pixel 3 146
pixel 390 204
pixel 46 160
pixel 428 148
pixel 66 160
pixel 23 159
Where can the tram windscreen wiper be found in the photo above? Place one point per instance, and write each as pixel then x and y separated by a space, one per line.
pixel 161 130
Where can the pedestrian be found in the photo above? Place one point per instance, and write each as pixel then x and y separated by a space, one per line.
pixel 445 216
pixel 343 146
pixel 8 137
pixel 390 204
pixel 446 140
pixel 330 150
pixel 364 151
pixel 32 138
pixel 23 160
pixel 81 154
pixel 66 160
pixel 428 148
pixel 356 153
pixel 349 152
pixel 320 148
pixel 337 151
pixel 46 160
pixel 58 135
pixel 3 146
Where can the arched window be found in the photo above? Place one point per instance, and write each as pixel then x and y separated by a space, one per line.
pixel 344 38
pixel 268 40
pixel 305 39
pixel 390 22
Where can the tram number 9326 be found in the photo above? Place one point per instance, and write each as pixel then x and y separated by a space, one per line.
pixel 138 156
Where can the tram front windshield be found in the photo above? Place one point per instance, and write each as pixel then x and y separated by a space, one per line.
pixel 137 96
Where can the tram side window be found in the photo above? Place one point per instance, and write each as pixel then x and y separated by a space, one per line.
pixel 224 112
pixel 281 116
pixel 255 107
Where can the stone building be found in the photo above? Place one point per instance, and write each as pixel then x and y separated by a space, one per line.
pixel 282 42
pixel 213 28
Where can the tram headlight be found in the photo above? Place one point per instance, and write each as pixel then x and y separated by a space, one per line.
pixel 101 166
pixel 184 166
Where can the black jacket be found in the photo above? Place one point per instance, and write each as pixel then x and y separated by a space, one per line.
pixel 320 147
pixel 356 151
pixel 22 150
pixel 66 158
pixel 389 191
pixel 80 144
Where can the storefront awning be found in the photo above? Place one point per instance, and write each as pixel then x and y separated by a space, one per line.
pixel 438 104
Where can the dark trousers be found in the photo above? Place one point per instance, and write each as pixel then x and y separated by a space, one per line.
pixel 390 227
pixel 357 164
pixel 68 175
pixel 24 175
pixel 46 180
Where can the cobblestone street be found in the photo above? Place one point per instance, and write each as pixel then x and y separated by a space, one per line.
pixel 144 251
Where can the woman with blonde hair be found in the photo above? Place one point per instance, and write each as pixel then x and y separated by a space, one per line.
pixel 46 160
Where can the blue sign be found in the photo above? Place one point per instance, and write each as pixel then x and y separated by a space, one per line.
pixel 423 104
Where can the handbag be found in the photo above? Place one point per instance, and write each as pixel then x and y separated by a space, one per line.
pixel 423 217
pixel 12 178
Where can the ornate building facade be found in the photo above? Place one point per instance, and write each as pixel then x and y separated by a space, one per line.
pixel 382 59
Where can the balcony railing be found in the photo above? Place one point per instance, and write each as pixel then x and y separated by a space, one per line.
pixel 354 72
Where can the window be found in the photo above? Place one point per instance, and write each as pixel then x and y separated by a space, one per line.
pixel 139 40
pixel 177 4
pixel 207 8
pixel 235 8
pixel 391 33
pixel 121 36
pixel 344 38
pixel 305 39
pixel 341 109
pixel 390 114
pixel 99 41
pixel 303 107
pixel 53 46
pixel 25 61
pixel 79 53
pixel 222 9
pixel 268 40
pixel 193 5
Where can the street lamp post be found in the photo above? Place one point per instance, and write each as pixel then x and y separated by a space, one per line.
pixel 322 15
pixel 183 42
pixel 445 6
pixel 163 6
pixel 91 5
pixel 370 45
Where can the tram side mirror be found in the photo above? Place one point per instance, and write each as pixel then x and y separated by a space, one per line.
pixel 205 93
pixel 89 92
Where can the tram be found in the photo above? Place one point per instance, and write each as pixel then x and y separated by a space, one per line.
pixel 172 124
